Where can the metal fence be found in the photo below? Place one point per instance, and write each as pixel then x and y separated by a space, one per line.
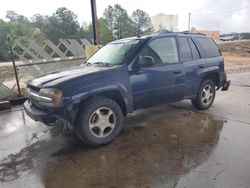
pixel 33 58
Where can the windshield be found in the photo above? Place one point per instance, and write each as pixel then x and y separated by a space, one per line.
pixel 113 53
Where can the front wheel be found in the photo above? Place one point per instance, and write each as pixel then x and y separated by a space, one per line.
pixel 205 96
pixel 99 122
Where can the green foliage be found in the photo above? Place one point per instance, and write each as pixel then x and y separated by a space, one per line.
pixel 40 22
pixel 4 30
pixel 118 21
pixel 62 24
pixel 14 17
pixel 105 34
pixel 114 24
pixel 141 23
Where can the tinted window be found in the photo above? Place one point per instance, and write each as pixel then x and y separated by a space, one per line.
pixel 194 49
pixel 163 50
pixel 185 49
pixel 210 48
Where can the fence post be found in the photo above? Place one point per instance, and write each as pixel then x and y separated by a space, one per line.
pixel 14 67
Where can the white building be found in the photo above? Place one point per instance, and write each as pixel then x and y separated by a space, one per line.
pixel 165 22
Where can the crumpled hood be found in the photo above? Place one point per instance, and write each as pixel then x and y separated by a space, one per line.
pixel 58 77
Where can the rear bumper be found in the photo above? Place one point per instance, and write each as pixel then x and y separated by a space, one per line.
pixel 224 83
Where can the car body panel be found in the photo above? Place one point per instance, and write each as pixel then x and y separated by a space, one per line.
pixel 157 84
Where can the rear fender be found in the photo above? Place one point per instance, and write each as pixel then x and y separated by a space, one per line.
pixel 205 73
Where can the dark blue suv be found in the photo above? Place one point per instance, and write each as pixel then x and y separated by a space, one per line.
pixel 125 75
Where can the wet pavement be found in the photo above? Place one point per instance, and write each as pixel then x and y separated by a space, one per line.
pixel 166 146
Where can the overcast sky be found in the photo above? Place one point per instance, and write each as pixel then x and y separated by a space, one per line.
pixel 228 21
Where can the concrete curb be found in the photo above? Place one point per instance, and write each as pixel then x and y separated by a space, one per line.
pixel 5 105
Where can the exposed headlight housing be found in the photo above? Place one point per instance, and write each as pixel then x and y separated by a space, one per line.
pixel 50 97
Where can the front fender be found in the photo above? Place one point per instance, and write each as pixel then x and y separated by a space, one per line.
pixel 95 89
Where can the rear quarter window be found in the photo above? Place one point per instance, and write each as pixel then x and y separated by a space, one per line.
pixel 209 47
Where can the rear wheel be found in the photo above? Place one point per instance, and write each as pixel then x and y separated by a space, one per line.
pixel 100 121
pixel 205 96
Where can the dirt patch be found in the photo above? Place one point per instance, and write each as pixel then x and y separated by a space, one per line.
pixel 237 48
pixel 236 56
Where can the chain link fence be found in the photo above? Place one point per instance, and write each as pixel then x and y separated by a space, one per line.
pixel 35 58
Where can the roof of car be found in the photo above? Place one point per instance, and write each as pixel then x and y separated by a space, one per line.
pixel 156 35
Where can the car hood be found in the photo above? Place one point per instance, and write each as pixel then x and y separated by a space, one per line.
pixel 55 78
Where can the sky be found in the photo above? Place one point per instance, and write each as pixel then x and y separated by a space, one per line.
pixel 227 17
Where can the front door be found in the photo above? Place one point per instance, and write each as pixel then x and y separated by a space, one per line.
pixel 161 80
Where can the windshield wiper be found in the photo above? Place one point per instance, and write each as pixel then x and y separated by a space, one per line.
pixel 101 63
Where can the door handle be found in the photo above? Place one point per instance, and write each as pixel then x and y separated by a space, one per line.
pixel 177 72
pixel 201 66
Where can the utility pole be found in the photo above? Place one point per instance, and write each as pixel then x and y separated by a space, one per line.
pixel 94 22
pixel 189 21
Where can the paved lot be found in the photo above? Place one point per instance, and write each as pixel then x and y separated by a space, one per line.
pixel 167 146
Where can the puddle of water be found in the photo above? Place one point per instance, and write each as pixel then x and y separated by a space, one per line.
pixel 18 131
pixel 228 164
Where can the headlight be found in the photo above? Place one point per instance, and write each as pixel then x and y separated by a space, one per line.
pixel 50 97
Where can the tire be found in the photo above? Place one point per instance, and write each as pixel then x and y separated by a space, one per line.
pixel 99 122
pixel 205 96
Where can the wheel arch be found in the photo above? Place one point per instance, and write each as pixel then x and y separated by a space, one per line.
pixel 214 76
pixel 111 94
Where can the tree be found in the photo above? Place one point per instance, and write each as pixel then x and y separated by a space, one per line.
pixel 62 24
pixel 141 23
pixel 14 30
pixel 14 17
pixel 40 21
pixel 105 34
pixel 108 17
pixel 4 49
pixel 86 31
pixel 118 21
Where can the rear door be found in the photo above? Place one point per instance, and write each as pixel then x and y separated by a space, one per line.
pixel 193 64
pixel 164 80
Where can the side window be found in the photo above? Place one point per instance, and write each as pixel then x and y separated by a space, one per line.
pixel 194 50
pixel 209 46
pixel 162 50
pixel 185 51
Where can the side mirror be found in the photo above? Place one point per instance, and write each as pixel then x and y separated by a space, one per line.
pixel 146 61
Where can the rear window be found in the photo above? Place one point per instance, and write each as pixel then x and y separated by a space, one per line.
pixel 209 46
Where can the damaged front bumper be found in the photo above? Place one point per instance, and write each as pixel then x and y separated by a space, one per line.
pixel 49 118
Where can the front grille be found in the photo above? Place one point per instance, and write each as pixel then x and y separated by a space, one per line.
pixel 34 88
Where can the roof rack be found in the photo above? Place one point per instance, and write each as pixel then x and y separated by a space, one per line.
pixel 182 32
pixel 164 32
pixel 190 33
